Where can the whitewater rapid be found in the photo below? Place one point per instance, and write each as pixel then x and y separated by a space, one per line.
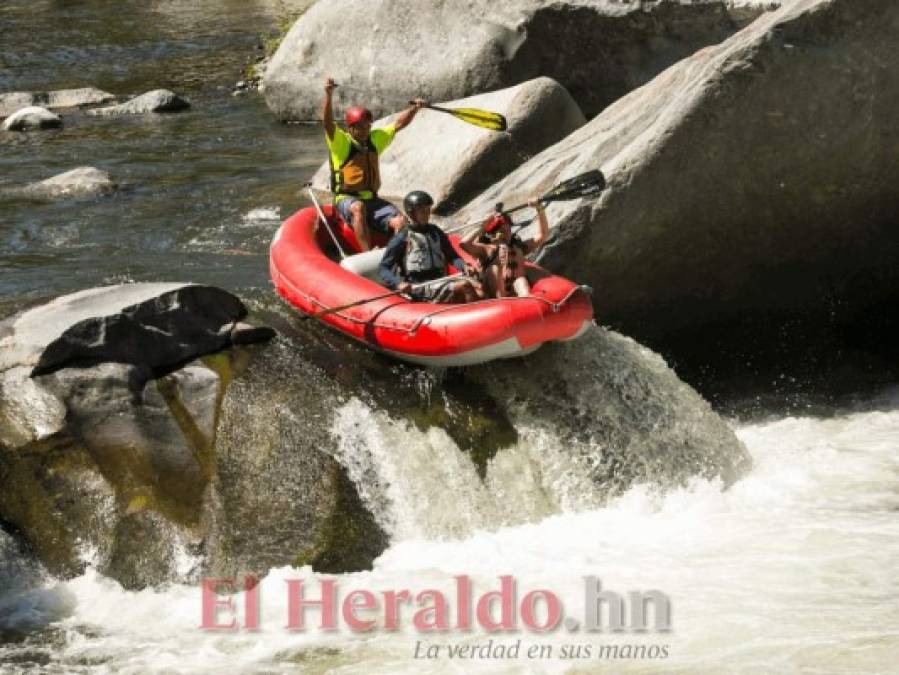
pixel 792 569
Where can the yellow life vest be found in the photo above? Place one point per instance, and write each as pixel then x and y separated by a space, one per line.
pixel 358 172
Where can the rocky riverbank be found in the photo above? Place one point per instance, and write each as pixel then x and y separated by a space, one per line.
pixel 748 230
pixel 139 435
pixel 138 414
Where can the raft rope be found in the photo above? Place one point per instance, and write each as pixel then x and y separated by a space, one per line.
pixel 556 307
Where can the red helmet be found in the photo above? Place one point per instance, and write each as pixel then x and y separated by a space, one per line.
pixel 497 222
pixel 356 114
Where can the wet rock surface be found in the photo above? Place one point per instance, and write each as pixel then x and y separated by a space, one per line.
pixel 619 411
pixel 61 98
pixel 84 181
pixel 32 118
pixel 107 425
pixel 234 463
pixel 156 101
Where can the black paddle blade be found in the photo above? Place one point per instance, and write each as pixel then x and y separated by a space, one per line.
pixel 583 185
pixel 587 184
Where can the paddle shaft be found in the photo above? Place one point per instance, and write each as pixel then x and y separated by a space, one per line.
pixel 321 215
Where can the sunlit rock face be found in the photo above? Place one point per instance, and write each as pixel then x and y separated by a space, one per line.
pixel 751 206
pixel 451 49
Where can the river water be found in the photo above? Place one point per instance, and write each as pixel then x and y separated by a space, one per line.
pixel 792 569
pixel 204 189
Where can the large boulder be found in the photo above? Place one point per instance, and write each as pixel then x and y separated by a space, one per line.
pixel 618 411
pixel 279 497
pixel 84 181
pixel 109 400
pixel 752 205
pixel 156 101
pixel 391 50
pixel 61 98
pixel 136 438
pixel 454 161
pixel 31 118
pixel 159 325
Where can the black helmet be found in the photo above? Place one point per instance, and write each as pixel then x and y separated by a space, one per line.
pixel 415 199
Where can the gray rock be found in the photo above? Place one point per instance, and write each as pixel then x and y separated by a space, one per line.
pixel 753 179
pixel 744 12
pixel 153 327
pixel 108 425
pixel 133 458
pixel 156 101
pixel 31 118
pixel 28 412
pixel 156 325
pixel 451 49
pixel 454 160
pixel 85 181
pixel 61 98
pixel 13 101
pixel 618 411
pixel 278 496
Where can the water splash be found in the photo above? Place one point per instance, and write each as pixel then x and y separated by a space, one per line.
pixel 420 484
pixel 789 570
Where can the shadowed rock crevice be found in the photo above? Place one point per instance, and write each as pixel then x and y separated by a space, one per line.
pixel 606 55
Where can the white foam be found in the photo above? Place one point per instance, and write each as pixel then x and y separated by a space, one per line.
pixel 263 216
pixel 791 570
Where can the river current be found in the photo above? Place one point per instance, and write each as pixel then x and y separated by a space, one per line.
pixel 791 569
pixel 203 190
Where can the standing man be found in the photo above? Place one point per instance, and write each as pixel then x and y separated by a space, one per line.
pixel 355 174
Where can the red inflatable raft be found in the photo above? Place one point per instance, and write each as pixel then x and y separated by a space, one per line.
pixel 424 333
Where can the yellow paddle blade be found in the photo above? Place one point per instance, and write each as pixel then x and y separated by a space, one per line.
pixel 480 118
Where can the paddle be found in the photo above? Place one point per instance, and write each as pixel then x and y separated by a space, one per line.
pixel 324 220
pixel 588 184
pixel 333 310
pixel 583 185
pixel 480 118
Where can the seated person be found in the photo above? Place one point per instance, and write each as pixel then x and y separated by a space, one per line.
pixel 501 254
pixel 419 253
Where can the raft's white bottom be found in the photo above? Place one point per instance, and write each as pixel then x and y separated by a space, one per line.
pixel 507 349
